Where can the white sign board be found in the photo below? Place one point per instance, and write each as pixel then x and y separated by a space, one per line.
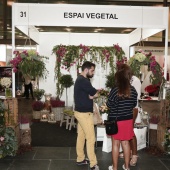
pixel 89 15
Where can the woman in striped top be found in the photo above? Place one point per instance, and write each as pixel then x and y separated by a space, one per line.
pixel 121 102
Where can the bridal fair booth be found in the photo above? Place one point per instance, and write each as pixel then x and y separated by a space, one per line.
pixel 145 20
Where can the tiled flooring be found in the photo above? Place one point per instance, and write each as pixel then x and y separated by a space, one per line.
pixel 64 158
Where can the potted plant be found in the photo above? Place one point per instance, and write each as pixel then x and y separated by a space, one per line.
pixel 66 81
pixel 37 106
pixel 38 93
pixel 24 122
pixel 57 107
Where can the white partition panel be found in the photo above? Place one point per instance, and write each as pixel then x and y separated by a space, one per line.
pixel 87 16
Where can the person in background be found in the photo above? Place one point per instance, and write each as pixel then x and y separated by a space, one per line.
pixel 121 102
pixel 136 83
pixel 84 93
pixel 28 87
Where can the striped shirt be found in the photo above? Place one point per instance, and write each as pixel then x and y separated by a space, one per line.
pixel 122 108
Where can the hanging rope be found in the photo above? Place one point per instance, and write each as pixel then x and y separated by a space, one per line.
pixel 141 42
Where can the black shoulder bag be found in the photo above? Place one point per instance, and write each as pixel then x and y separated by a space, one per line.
pixel 111 126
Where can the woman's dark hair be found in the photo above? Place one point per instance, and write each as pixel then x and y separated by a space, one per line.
pixel 122 80
pixel 88 65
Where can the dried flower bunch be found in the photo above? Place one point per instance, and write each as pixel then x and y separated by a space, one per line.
pixel 5 82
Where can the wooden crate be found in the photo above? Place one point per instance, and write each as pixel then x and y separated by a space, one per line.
pixel 160 136
pixel 12 105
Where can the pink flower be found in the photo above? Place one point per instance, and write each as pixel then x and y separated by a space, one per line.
pixel 2 138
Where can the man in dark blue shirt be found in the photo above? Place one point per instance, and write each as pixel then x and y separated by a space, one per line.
pixel 84 93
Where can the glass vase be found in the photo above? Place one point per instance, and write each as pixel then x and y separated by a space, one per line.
pixel 8 92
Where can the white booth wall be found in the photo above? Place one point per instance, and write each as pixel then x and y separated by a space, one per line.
pixel 49 40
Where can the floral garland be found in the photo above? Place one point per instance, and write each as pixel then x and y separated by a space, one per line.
pixel 68 56
pixel 139 59
pixel 29 62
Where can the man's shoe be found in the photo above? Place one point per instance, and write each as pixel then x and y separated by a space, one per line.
pixel 96 167
pixel 84 162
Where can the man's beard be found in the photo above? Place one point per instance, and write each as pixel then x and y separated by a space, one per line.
pixel 89 76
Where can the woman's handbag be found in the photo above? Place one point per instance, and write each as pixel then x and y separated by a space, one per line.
pixel 111 127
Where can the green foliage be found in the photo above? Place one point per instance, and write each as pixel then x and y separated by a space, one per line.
pixel 110 80
pixel 66 81
pixel 140 59
pixel 8 142
pixel 38 93
pixel 29 63
pixel 68 56
pixel 167 141
pixel 2 114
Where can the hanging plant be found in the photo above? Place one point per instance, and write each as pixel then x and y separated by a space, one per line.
pixel 139 59
pixel 29 62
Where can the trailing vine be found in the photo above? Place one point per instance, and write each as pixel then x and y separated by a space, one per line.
pixel 68 56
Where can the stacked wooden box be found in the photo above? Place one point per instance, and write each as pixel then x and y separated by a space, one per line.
pixel 164 122
pixel 11 115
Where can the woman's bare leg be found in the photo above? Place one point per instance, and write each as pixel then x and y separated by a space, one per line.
pixel 115 152
pixel 126 151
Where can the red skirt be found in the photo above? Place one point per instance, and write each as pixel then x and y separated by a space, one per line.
pixel 125 130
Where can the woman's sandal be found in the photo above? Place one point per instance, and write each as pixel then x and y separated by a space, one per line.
pixel 133 161
pixel 121 155
pixel 125 168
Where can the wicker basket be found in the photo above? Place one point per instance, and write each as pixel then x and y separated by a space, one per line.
pixel 57 112
pixel 36 114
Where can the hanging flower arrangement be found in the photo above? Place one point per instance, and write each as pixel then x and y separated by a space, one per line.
pixel 139 59
pixel 29 62
pixel 69 56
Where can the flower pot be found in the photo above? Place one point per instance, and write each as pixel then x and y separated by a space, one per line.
pixel 36 114
pixel 57 112
pixel 24 125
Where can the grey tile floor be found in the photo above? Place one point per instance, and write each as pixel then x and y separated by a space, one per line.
pixel 64 158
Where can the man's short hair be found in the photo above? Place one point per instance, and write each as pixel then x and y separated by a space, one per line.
pixel 88 65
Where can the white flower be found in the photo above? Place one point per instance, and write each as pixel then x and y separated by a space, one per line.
pixel 140 57
pixel 6 82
